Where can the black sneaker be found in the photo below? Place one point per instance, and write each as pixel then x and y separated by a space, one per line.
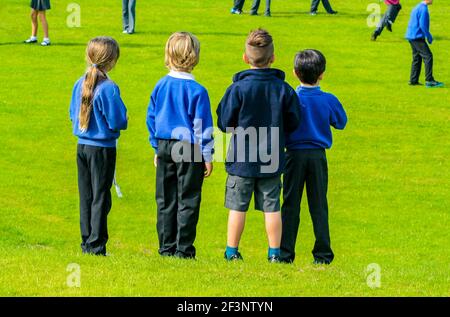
pixel 389 26
pixel 321 262
pixel 181 255
pixel 234 257
pixel 274 259
pixel 414 84
pixel 374 36
pixel 333 12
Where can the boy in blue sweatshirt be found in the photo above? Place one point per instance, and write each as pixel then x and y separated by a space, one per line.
pixel 180 124
pixel 258 108
pixel 417 34
pixel 306 160
pixel 98 114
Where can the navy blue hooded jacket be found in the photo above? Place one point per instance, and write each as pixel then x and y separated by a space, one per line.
pixel 258 109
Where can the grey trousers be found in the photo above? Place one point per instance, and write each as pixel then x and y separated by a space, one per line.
pixel 326 5
pixel 129 15
pixel 239 4
pixel 389 17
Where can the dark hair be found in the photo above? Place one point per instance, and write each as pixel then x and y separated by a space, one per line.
pixel 259 48
pixel 309 65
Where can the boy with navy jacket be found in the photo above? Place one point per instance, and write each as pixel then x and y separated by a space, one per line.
pixel 306 159
pixel 258 108
pixel 417 34
pixel 180 124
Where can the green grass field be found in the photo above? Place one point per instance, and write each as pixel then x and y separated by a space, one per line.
pixel 389 189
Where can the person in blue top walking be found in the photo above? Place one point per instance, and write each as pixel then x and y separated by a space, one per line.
pixel 417 34
pixel 306 160
pixel 98 114
pixel 180 123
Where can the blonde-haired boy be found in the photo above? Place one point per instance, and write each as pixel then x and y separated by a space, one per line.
pixel 180 124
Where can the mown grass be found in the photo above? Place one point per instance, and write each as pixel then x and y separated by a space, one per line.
pixel 389 171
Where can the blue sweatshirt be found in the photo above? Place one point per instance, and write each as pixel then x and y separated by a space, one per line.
pixel 108 116
pixel 258 100
pixel 419 24
pixel 319 111
pixel 180 109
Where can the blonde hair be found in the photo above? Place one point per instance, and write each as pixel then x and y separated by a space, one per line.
pixel 259 48
pixel 182 52
pixel 102 54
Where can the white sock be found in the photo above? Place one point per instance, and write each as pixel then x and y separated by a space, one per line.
pixel 46 39
pixel 33 38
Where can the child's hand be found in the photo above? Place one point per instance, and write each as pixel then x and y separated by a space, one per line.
pixel 208 168
pixel 155 160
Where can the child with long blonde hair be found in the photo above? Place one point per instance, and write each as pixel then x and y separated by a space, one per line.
pixel 98 114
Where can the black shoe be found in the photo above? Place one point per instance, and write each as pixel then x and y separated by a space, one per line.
pixel 253 13
pixel 286 260
pixel 184 256
pixel 389 26
pixel 415 84
pixel 374 36
pixel 274 259
pixel 234 257
pixel 321 262
pixel 333 12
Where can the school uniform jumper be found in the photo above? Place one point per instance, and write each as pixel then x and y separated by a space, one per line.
pixel 181 132
pixel 306 162
pixel 258 100
pixel 96 160
pixel 417 34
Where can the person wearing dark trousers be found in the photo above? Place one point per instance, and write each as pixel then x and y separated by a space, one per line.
pixel 388 19
pixel 178 196
pixel 180 124
pixel 326 5
pixel 306 162
pixel 239 4
pixel 129 16
pixel 96 167
pixel 417 34
pixel 98 114
pixel 255 7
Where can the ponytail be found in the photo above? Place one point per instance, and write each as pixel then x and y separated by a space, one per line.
pixel 89 84
pixel 101 54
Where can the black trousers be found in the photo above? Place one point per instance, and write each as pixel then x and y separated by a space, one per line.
pixel 310 167
pixel 96 167
pixel 178 195
pixel 326 5
pixel 421 51
pixel 389 17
